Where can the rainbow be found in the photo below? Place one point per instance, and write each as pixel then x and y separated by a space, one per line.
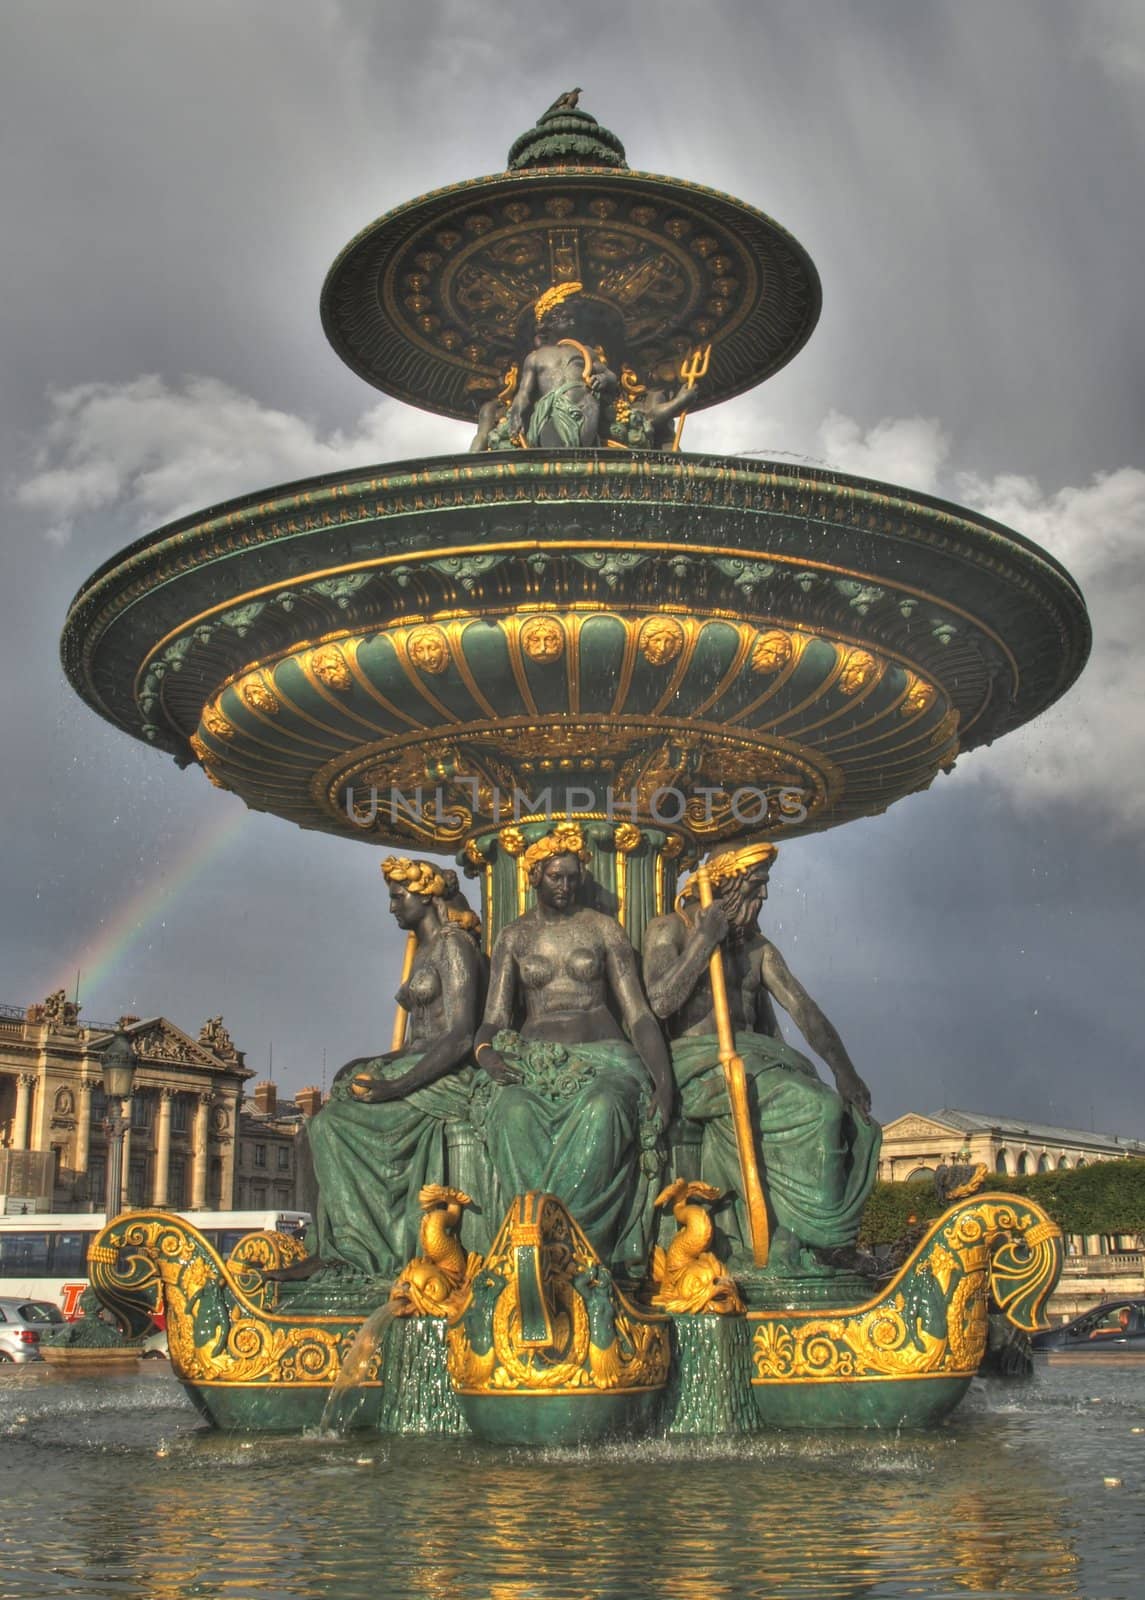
pixel 123 927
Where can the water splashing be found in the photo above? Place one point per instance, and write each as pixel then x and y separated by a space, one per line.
pixel 348 1394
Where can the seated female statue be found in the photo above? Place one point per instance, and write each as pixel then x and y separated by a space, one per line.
pixel 382 1133
pixel 819 1145
pixel 569 1112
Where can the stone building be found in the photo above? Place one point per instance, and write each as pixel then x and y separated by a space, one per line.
pixel 272 1168
pixel 915 1144
pixel 181 1147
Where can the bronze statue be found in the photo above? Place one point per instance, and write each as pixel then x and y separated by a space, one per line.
pixel 566 1111
pixel 819 1146
pixel 563 381
pixel 382 1135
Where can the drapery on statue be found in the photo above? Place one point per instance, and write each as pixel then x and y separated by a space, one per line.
pixel 568 1110
pixel 381 1137
pixel 819 1146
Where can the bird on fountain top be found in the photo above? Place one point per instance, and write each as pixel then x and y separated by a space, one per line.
pixel 563 102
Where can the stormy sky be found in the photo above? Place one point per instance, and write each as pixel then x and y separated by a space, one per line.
pixel 967 177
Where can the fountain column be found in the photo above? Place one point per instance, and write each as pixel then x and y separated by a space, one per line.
pixel 163 1148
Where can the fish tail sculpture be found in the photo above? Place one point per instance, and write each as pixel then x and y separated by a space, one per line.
pixel 430 1285
pixel 688 1275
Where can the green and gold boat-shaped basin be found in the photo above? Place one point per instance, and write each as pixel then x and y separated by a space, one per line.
pixel 657 625
pixel 541 1346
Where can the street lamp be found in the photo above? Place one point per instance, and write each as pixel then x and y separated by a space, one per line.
pixel 118 1067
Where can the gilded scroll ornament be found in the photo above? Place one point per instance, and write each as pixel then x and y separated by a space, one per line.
pixel 474 854
pixel 932 1319
pixel 216 1332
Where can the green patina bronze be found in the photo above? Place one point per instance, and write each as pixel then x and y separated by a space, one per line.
pixel 589 1188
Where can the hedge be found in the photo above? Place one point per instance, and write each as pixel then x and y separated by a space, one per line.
pixel 1104 1197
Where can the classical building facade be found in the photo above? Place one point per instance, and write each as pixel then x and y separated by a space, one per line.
pixel 915 1144
pixel 272 1168
pixel 182 1144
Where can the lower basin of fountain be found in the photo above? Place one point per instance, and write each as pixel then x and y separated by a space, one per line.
pixel 541 1345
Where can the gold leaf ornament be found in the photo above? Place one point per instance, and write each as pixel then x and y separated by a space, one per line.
pixel 216 724
pixel 860 669
pixel 429 649
pixel 661 640
pixel 255 694
pixel 330 667
pixel 771 651
pixel 543 639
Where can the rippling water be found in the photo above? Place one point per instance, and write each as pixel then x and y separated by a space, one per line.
pixel 113 1487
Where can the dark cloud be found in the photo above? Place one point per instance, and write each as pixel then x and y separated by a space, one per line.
pixel 176 182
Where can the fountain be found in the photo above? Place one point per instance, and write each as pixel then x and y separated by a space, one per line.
pixel 585 663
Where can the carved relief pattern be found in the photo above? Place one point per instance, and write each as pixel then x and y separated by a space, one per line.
pixel 932 1319
pixel 593 1337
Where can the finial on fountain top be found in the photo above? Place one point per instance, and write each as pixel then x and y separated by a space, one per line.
pixel 565 136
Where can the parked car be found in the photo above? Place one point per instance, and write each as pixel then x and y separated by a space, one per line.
pixel 21 1324
pixel 1114 1325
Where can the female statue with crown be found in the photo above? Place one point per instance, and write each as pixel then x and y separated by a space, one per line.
pixel 576 1106
pixel 384 1132
pixel 819 1145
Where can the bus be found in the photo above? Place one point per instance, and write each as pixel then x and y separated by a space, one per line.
pixel 43 1255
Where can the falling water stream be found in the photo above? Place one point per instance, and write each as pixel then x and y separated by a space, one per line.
pixel 347 1395
pixel 115 1488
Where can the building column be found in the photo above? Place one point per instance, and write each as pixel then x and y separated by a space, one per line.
pixel 162 1148
pixel 201 1141
pixel 25 1083
pixel 124 1177
pixel 83 1126
pixel 228 1151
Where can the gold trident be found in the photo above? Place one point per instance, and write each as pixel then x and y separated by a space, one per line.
pixel 692 369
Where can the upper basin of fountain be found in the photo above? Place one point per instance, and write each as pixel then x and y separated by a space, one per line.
pixel 629 618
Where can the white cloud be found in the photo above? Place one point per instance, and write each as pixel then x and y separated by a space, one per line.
pixel 158 451
pixel 906 450
pixel 1088 751
pixel 910 451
